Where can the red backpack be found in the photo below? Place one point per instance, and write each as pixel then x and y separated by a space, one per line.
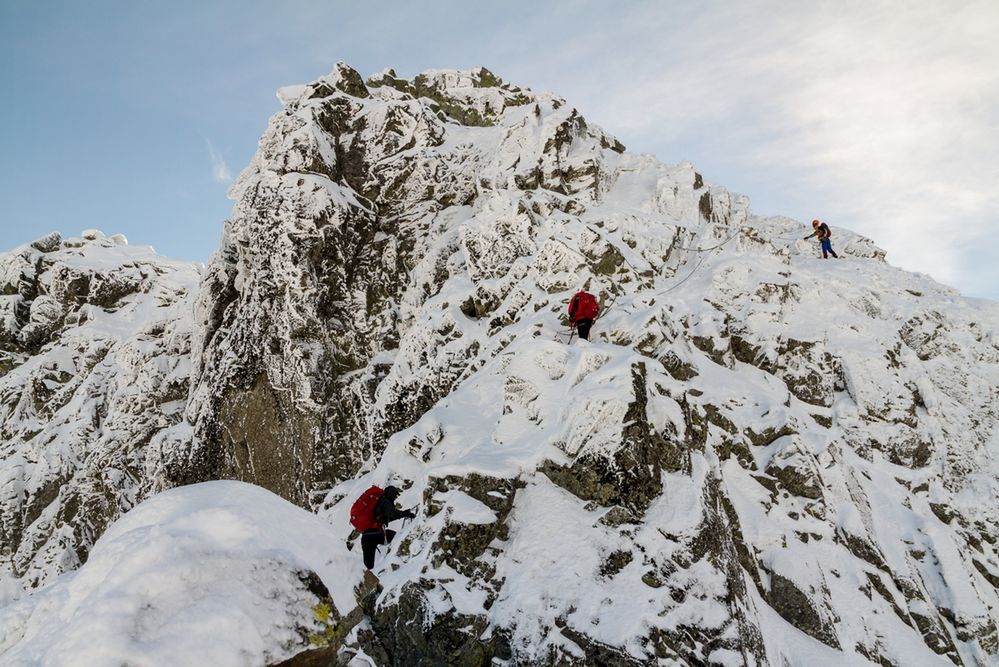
pixel 362 512
pixel 583 306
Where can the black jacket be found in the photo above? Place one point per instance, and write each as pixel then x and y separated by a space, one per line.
pixel 385 511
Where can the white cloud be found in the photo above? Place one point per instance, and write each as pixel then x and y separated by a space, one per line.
pixel 220 170
pixel 882 116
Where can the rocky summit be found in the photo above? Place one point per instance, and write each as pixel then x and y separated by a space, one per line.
pixel 760 457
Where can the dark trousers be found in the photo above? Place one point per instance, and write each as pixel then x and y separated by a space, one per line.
pixel 370 540
pixel 583 328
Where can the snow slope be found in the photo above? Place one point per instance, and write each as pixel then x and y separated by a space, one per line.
pixel 760 458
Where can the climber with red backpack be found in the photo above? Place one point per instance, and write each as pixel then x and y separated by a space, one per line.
pixel 583 310
pixel 822 231
pixel 370 514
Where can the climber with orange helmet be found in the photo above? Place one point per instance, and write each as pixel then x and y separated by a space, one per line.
pixel 821 230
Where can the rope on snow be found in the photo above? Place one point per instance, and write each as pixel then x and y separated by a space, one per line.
pixel 700 261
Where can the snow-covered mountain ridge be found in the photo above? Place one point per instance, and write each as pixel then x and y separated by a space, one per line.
pixel 761 457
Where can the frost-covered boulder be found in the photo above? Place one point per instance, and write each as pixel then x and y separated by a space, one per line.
pixel 222 573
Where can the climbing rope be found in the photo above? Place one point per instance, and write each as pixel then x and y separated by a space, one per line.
pixel 790 238
pixel 604 310
pixel 699 262
pixel 714 247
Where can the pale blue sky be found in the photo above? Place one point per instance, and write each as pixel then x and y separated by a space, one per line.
pixel 881 117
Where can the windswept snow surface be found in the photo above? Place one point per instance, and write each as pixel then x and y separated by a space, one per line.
pixel 208 574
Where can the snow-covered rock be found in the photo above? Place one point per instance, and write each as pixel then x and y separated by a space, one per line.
pixel 94 359
pixel 221 573
pixel 759 458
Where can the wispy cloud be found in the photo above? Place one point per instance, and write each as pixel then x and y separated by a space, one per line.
pixel 220 170
pixel 882 116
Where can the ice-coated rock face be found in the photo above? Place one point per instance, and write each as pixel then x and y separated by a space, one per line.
pixel 95 341
pixel 760 458
pixel 392 280
pixel 345 223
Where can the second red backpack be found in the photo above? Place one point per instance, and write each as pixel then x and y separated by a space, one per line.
pixel 362 512
pixel 583 306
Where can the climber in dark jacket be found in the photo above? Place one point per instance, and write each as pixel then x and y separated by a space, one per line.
pixel 385 511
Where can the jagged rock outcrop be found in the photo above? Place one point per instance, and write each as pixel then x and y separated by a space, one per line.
pixel 338 237
pixel 760 459
pixel 95 339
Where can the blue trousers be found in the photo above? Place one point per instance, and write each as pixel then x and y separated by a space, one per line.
pixel 827 248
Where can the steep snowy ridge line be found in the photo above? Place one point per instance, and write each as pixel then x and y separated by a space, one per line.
pixel 760 458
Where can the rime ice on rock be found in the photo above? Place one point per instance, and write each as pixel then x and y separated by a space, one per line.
pixel 94 347
pixel 760 458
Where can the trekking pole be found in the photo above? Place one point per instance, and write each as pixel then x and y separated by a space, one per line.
pixel 572 332
pixel 604 309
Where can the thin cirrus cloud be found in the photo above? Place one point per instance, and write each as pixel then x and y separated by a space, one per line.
pixel 220 170
pixel 881 117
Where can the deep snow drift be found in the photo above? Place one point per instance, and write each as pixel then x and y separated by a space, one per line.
pixel 210 574
pixel 761 457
